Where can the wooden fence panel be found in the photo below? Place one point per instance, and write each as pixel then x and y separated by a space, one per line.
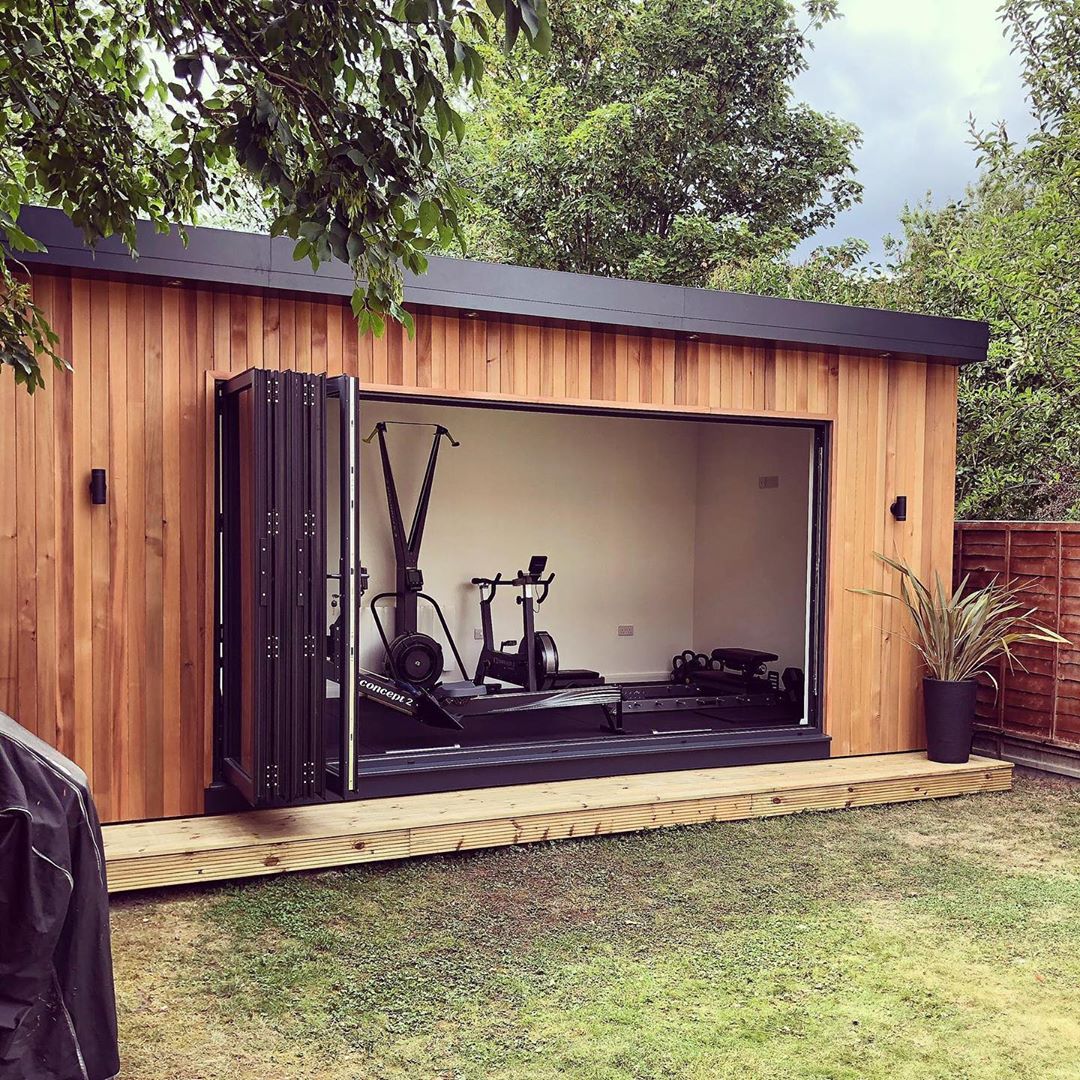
pixel 1038 700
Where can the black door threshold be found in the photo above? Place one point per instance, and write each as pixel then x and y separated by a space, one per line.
pixel 458 770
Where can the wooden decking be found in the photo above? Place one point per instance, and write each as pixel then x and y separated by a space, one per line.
pixel 186 850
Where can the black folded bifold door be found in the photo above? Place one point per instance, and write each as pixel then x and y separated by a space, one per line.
pixel 271 577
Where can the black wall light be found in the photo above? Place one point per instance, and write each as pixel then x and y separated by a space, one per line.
pixel 97 487
pixel 899 508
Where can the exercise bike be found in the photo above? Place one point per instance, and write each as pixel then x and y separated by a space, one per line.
pixel 535 663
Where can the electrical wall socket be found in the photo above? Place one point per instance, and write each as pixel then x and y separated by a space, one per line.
pixel 768 481
pixel 477 634
pixel 626 631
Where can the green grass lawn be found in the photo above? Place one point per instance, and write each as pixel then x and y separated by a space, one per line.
pixel 938 939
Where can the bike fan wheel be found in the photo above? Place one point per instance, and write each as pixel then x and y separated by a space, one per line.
pixel 545 659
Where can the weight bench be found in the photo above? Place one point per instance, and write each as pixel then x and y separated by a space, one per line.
pixel 738 667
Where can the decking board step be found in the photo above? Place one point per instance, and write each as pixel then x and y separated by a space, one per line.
pixel 185 850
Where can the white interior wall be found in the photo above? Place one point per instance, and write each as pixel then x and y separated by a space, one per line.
pixel 751 545
pixel 609 500
pixel 656 524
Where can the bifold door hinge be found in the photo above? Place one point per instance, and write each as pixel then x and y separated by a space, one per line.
pixel 273 522
pixel 272 777
pixel 273 647
pixel 310 649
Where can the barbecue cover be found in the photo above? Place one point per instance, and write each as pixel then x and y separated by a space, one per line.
pixel 57 1008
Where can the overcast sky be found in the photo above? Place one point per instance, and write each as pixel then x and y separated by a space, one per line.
pixel 908 73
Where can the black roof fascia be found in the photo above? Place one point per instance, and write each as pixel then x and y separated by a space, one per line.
pixel 246 259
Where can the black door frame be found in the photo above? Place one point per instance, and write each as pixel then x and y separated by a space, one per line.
pixel 351 783
pixel 818 508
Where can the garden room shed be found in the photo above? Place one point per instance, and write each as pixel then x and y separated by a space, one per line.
pixel 641 511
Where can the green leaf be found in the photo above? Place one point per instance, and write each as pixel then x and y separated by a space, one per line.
pixel 429 216
pixel 512 28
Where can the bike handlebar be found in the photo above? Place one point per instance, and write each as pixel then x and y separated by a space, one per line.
pixel 520 581
pixel 527 579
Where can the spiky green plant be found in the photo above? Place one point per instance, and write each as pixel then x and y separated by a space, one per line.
pixel 959 634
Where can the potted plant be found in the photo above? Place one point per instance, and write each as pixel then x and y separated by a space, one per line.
pixel 958 635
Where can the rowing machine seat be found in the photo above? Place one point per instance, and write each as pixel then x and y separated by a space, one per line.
pixel 460 689
pixel 565 679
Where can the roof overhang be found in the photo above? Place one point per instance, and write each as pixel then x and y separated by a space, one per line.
pixel 222 257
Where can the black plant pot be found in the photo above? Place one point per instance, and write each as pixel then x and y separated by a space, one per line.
pixel 950 717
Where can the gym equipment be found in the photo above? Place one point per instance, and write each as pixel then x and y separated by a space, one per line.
pixel 414 658
pixel 685 666
pixel 536 662
pixel 414 701
pixel 734 670
pixel 747 667
pixel 794 683
pixel 728 686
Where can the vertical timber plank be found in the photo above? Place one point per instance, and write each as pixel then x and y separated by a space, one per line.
pixel 558 362
pixel 254 322
pixel 152 705
pixel 177 341
pixel 26 680
pixel 350 347
pixel 319 339
pixel 395 360
pixel 118 657
pixel 9 551
pixel 42 487
pixel 196 353
pixel 103 714
pixel 302 340
pixel 492 355
pixel 82 641
pixel 271 332
pixel 133 781
pixel 63 489
pixel 286 335
pixel 437 360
